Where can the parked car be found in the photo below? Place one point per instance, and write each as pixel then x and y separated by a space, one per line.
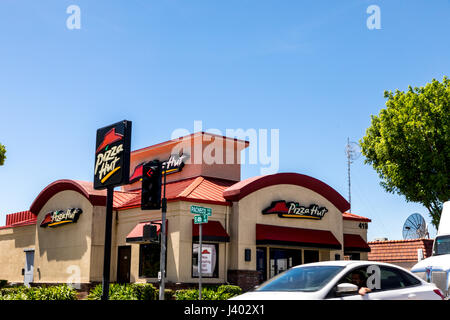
pixel 436 269
pixel 342 280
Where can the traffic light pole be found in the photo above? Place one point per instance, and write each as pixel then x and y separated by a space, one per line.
pixel 162 261
pixel 107 253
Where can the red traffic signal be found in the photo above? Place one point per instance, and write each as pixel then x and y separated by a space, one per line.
pixel 151 186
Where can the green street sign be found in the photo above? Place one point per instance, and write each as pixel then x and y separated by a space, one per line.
pixel 201 210
pixel 200 219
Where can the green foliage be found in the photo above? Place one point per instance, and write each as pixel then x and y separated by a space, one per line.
pixel 408 145
pixel 3 283
pixel 223 292
pixel 168 294
pixel 136 291
pixel 147 291
pixel 2 154
pixel 61 292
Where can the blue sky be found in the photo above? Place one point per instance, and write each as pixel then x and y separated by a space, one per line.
pixel 311 69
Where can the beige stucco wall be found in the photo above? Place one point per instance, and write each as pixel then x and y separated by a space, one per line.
pixel 13 242
pixel 179 241
pixel 248 210
pixel 353 227
pixel 62 253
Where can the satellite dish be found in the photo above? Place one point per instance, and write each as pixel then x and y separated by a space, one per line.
pixel 415 227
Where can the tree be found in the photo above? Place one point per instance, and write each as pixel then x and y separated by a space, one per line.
pixel 408 145
pixel 2 154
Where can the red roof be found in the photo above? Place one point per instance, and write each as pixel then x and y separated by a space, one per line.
pixel 351 216
pixel 354 242
pixel 19 219
pixel 399 250
pixel 199 189
pixel 247 186
pixel 269 234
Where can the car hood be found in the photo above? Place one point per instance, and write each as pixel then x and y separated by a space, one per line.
pixel 277 295
pixel 437 262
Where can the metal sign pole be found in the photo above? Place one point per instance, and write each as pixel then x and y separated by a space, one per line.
pixel 107 253
pixel 200 262
pixel 162 262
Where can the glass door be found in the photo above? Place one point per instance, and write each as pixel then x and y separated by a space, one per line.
pixel 261 264
pixel 283 259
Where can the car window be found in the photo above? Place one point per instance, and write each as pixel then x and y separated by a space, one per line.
pixel 305 279
pixel 390 278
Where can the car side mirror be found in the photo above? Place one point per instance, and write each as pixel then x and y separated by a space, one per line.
pixel 346 288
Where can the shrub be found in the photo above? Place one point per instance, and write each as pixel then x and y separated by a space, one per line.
pixel 223 292
pixel 137 291
pixel 169 294
pixel 62 292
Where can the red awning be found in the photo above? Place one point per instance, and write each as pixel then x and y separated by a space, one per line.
pixel 137 234
pixel 354 242
pixel 268 234
pixel 211 231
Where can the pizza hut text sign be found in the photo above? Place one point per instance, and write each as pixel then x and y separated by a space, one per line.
pixel 112 155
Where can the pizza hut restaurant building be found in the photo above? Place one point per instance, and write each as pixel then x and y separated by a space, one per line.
pixel 258 228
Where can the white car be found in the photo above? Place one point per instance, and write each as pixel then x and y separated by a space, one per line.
pixel 342 280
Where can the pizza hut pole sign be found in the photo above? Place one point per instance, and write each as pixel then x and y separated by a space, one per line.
pixel 112 155
pixel 112 169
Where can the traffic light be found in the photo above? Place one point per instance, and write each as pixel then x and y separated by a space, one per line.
pixel 151 185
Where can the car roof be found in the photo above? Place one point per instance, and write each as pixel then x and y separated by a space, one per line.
pixel 346 263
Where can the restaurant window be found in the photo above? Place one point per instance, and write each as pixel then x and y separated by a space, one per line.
pixel 149 257
pixel 210 260
pixel 353 255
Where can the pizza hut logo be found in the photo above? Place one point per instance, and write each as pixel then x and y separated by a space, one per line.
pixel 106 163
pixel 59 217
pixel 175 164
pixel 295 210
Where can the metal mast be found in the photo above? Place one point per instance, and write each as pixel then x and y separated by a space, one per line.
pixel 352 152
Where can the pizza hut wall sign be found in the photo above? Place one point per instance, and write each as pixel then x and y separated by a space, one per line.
pixel 291 209
pixel 60 217
pixel 112 155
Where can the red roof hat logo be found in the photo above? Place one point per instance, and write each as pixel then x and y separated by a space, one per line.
pixel 137 173
pixel 110 137
pixel 277 207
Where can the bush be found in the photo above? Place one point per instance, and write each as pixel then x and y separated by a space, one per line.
pixel 61 292
pixel 223 292
pixel 137 291
pixel 169 294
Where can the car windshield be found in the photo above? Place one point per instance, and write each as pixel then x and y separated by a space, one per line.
pixel 304 279
pixel 442 245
